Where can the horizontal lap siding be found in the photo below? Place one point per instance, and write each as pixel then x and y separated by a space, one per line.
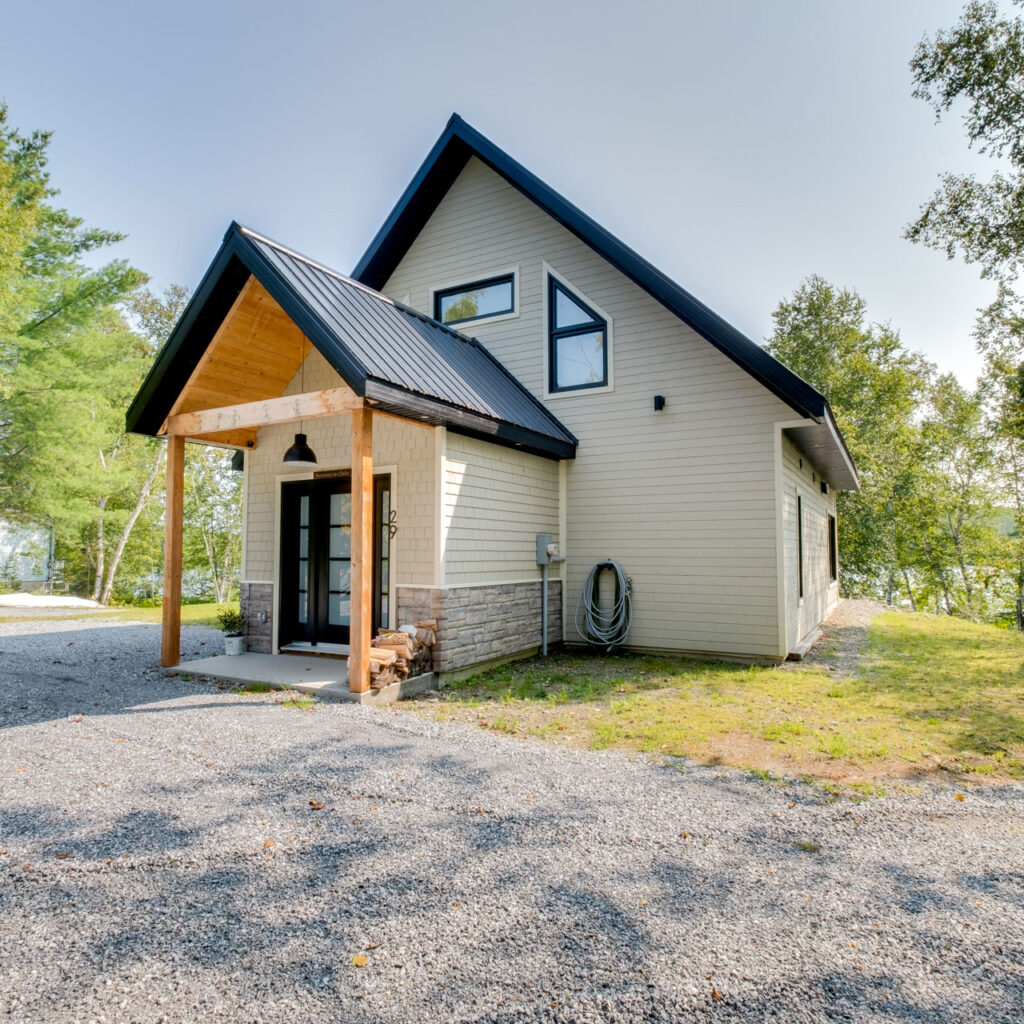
pixel 408 447
pixel 821 594
pixel 496 500
pixel 683 498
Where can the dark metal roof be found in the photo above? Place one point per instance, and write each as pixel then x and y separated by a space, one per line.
pixel 398 359
pixel 458 142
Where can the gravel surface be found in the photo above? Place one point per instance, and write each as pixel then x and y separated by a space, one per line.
pixel 162 861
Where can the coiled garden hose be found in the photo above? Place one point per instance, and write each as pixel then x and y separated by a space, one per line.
pixel 605 628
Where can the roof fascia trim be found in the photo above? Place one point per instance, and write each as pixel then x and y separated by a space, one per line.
pixel 417 201
pixel 432 410
pixel 840 441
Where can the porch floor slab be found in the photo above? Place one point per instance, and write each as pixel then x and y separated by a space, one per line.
pixel 326 678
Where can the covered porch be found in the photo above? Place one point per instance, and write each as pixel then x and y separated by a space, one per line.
pixel 351 669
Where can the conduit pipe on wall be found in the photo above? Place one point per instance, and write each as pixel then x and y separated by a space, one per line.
pixel 547 554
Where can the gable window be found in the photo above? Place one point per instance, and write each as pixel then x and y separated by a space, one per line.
pixel 577 342
pixel 833 550
pixel 494 296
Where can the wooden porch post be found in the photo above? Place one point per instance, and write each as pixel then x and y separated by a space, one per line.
pixel 361 620
pixel 170 637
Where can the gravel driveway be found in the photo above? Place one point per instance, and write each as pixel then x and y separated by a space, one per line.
pixel 165 858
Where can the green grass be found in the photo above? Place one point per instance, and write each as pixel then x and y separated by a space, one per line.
pixel 303 703
pixel 806 846
pixel 191 614
pixel 252 688
pixel 930 693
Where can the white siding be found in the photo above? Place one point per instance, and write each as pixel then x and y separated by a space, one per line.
pixel 496 500
pixel 684 498
pixel 408 447
pixel 821 593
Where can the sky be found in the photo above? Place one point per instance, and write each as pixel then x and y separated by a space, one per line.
pixel 738 145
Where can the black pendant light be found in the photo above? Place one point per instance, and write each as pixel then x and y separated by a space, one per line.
pixel 300 454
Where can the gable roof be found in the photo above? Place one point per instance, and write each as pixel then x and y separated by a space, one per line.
pixel 460 141
pixel 396 358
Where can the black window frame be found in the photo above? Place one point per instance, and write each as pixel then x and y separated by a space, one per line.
pixel 833 549
pixel 442 293
pixel 800 542
pixel 556 334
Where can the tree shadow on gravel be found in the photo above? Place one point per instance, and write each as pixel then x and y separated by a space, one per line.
pixel 136 833
pixel 106 669
pixel 594 907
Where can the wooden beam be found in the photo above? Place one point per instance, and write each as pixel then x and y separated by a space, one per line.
pixel 361 607
pixel 262 414
pixel 229 439
pixel 170 637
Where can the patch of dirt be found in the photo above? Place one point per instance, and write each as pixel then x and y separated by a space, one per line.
pixel 843 636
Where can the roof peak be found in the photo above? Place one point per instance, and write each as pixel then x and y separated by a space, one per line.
pixel 243 229
pixel 448 157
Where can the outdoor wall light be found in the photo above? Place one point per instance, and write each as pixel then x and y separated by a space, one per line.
pixel 659 403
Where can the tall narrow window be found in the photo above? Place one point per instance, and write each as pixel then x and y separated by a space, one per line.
pixel 577 342
pixel 800 541
pixel 475 301
pixel 833 550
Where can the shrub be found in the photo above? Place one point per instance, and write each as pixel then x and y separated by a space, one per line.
pixel 232 622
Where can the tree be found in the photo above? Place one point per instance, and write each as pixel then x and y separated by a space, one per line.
pixel 874 386
pixel 213 518
pixel 68 366
pixel 999 335
pixel 981 62
pixel 960 523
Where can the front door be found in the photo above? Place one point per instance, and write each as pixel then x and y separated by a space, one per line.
pixel 316 553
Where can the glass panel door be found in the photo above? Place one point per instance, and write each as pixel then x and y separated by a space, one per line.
pixel 302 562
pixel 316 559
pixel 339 560
pixel 383 528
pixel 297 618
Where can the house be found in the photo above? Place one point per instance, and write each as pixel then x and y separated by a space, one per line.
pixel 26 555
pixel 497 367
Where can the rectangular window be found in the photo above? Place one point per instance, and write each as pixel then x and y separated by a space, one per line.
pixel 833 550
pixel 475 301
pixel 577 342
pixel 800 541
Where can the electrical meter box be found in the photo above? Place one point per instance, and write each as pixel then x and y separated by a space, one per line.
pixel 547 550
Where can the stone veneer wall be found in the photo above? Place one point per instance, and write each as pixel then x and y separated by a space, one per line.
pixel 257 598
pixel 485 623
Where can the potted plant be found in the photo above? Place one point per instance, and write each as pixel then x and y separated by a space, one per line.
pixel 232 622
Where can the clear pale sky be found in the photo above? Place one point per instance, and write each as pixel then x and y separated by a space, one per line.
pixel 739 145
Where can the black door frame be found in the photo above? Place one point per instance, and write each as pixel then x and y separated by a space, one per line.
pixel 318 489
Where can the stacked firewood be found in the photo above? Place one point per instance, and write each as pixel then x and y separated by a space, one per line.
pixel 397 654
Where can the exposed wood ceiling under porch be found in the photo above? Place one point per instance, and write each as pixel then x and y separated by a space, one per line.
pixel 253 356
